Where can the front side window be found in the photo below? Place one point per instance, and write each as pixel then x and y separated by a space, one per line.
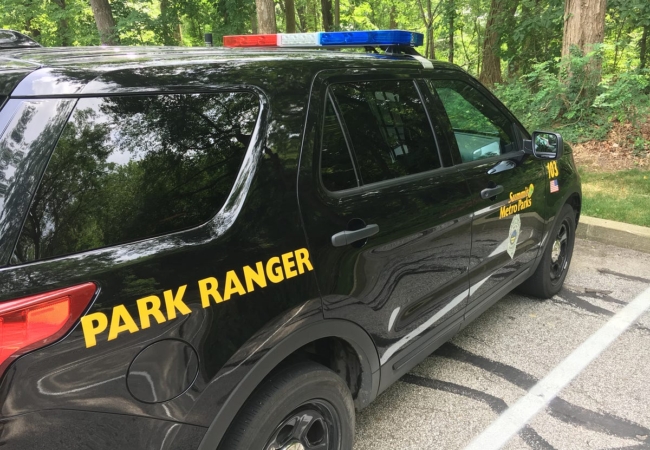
pixel 480 128
pixel 128 168
pixel 388 127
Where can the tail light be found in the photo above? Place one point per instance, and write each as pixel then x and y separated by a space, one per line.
pixel 33 322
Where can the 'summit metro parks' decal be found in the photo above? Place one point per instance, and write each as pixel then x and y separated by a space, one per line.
pixel 518 202
pixel 275 270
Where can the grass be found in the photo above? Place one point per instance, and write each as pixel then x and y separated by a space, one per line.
pixel 623 196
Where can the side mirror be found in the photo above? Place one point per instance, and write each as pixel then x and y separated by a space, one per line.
pixel 547 145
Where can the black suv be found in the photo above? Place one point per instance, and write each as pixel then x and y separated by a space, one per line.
pixel 237 248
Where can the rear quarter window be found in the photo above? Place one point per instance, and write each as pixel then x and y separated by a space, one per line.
pixel 129 168
pixel 28 131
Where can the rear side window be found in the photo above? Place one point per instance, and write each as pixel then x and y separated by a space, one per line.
pixel 388 127
pixel 128 168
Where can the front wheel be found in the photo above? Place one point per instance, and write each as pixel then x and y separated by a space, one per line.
pixel 549 277
pixel 304 406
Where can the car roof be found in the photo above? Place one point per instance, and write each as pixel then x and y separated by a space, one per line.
pixel 78 66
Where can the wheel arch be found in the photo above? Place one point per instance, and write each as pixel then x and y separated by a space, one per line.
pixel 575 200
pixel 281 351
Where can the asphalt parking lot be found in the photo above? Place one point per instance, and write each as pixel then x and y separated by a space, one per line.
pixel 460 389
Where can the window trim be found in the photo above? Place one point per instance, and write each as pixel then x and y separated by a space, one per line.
pixel 405 179
pixel 393 182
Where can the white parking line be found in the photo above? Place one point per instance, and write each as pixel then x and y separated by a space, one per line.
pixel 514 418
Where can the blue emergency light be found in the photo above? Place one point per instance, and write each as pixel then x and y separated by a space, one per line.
pixel 328 39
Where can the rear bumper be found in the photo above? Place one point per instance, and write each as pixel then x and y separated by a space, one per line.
pixel 71 430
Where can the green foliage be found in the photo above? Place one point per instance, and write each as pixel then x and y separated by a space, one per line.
pixel 624 96
pixel 535 37
pixel 566 96
pixel 540 89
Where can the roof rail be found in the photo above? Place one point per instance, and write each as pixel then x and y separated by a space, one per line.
pixel 14 39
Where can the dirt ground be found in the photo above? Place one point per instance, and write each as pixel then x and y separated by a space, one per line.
pixel 614 154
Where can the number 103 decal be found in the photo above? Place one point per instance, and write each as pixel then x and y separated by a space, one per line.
pixel 552 169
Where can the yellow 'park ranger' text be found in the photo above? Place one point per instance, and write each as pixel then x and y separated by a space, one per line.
pixel 517 202
pixel 274 270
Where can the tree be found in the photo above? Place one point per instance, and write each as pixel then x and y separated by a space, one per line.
pixel 451 13
pixel 326 9
pixel 392 19
pixel 584 28
pixel 266 17
pixel 643 47
pixel 290 16
pixel 170 27
pixel 337 14
pixel 533 36
pixel 62 22
pixel 428 17
pixel 105 22
pixel 500 10
pixel 631 18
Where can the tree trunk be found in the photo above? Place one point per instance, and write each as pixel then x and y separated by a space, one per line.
pixel 427 19
pixel 35 33
pixel 584 25
pixel 313 11
pixel 491 67
pixel 393 18
pixel 171 34
pixel 290 16
pixel 337 14
pixel 500 11
pixel 302 19
pixel 266 17
pixel 452 13
pixel 430 51
pixel 105 22
pixel 643 48
pixel 62 26
pixel 178 33
pixel 64 30
pixel 326 8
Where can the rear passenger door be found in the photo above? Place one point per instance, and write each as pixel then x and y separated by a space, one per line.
pixel 487 146
pixel 387 217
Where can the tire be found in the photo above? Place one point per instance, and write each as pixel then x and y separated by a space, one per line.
pixel 549 277
pixel 302 403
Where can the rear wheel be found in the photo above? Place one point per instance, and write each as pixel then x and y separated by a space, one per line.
pixel 304 406
pixel 549 277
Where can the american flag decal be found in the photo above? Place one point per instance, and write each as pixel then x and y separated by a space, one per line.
pixel 554 186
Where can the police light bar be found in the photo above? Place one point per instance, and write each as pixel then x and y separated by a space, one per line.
pixel 328 39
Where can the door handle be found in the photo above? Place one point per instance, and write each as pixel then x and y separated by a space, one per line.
pixel 491 192
pixel 348 237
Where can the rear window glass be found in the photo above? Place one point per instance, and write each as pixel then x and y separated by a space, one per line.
pixel 389 129
pixel 28 132
pixel 128 168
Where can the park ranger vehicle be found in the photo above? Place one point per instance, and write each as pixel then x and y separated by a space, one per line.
pixel 236 248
